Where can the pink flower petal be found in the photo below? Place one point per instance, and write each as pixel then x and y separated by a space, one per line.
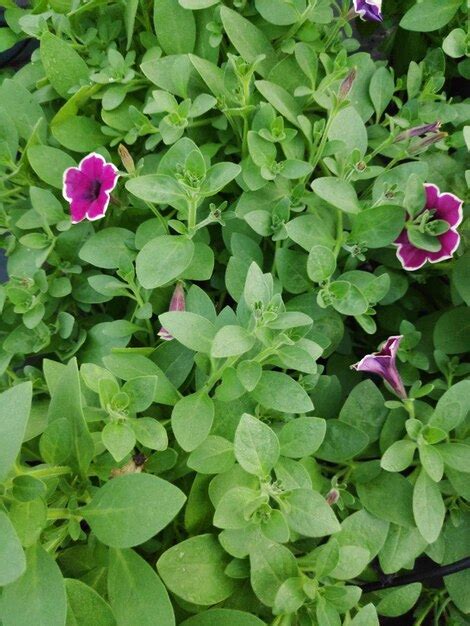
pixel 432 195
pixel 450 209
pixel 450 242
pixel 78 210
pixel 410 257
pixel 92 166
pixel 87 187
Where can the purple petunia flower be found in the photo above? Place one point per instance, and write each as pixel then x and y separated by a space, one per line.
pixel 370 10
pixel 384 364
pixel 88 187
pixel 177 303
pixel 432 234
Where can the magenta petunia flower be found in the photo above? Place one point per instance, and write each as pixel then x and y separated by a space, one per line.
pixel 432 234
pixel 383 364
pixel 370 10
pixel 87 187
pixel 177 303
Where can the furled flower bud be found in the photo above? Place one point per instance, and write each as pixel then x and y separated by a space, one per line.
pixel 177 303
pixel 426 142
pixel 332 497
pixel 127 160
pixel 418 131
pixel 347 85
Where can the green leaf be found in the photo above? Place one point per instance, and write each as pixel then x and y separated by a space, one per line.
pixel 64 67
pixel 289 597
pixel 342 441
pixel 356 137
pixel 381 89
pixel 15 406
pixel 79 133
pixel 119 439
pixel 150 433
pixel 163 259
pixel 346 298
pixel 231 341
pixel 249 40
pixel 452 406
pixel 256 446
pixel 130 13
pixel 38 597
pixel 128 366
pixel 456 456
pixel 399 456
pixel 11 553
pixel 141 391
pixel 321 263
pixel 388 497
pixel 270 566
pixel 249 374
pixel 214 456
pixel 432 461
pixel 452 331
pixel 195 571
pixel 352 561
pixel 219 176
pixel 108 248
pixel 302 437
pixel 461 277
pixel 223 617
pixel 192 330
pixel 364 409
pixel 280 99
pixel 308 513
pixel 378 227
pixel 131 509
pixel 429 15
pixel 428 507
pixel 396 602
pixel 86 606
pixel 50 164
pixel 136 593
pixel 280 392
pixel 367 616
pixel 66 401
pixel 157 188
pixel 175 27
pixel 191 420
pixel 338 193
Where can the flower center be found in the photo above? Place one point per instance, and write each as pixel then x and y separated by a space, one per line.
pixel 93 190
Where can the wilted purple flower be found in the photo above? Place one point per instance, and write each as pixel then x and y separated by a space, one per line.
pixel 436 224
pixel 177 303
pixel 369 9
pixel 88 187
pixel 418 131
pixel 384 364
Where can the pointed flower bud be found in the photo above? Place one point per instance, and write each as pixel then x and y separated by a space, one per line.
pixel 332 497
pixel 418 131
pixel 347 85
pixel 177 303
pixel 383 363
pixel 426 142
pixel 127 160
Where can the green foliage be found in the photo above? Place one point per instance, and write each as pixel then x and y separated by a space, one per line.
pixel 194 429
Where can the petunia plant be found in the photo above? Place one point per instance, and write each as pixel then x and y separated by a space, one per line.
pixel 234 375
